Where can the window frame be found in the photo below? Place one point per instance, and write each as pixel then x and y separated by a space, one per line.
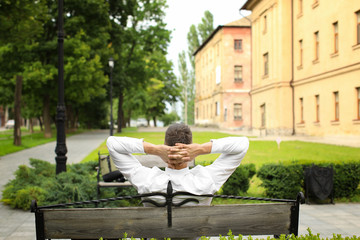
pixel 301 49
pixel 265 24
pixel 336 106
pixel 238 44
pixel 266 63
pixel 238 70
pixel 317 108
pixel 238 112
pixel 336 37
pixel 263 115
pixel 316 45
pixel 217 108
pixel 301 100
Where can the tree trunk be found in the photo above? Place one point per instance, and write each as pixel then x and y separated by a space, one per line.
pixel 47 117
pixel 154 119
pixel 17 112
pixel 41 123
pixel 120 114
pixel 129 118
pixel 31 125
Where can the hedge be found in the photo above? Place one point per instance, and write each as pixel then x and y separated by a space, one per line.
pixel 40 182
pixel 285 181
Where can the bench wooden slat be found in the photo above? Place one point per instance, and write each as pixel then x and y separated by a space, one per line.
pixel 90 223
pixel 115 184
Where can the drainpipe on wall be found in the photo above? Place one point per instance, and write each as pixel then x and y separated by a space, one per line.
pixel 292 67
pixel 250 64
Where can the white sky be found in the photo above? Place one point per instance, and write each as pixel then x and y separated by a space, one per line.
pixel 181 14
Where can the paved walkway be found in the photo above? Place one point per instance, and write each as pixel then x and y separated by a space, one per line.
pixel 17 224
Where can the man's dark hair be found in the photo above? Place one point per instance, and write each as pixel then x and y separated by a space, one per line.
pixel 178 133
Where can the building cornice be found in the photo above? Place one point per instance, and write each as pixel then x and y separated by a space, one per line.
pixel 327 74
pixel 269 86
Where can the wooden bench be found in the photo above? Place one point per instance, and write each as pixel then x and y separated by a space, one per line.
pixel 108 175
pixel 169 221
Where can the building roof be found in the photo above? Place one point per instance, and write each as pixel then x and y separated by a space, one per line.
pixel 249 5
pixel 240 23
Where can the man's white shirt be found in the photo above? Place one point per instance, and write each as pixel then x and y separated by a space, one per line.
pixel 198 180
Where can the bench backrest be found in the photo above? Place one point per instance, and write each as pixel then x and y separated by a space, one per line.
pixel 194 221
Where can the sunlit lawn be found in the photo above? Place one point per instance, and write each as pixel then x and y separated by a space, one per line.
pixel 259 153
pixel 28 140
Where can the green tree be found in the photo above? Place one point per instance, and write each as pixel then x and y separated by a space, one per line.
pixel 206 27
pixel 20 23
pixel 137 31
pixel 195 36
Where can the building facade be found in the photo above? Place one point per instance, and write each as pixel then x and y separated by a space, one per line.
pixel 223 77
pixel 306 67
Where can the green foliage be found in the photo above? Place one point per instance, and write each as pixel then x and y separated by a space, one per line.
pixel 239 182
pixel 281 181
pixel 231 236
pixel 285 181
pixel 40 182
pixel 169 118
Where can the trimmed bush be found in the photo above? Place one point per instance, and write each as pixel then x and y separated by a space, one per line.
pixel 285 181
pixel 40 182
pixel 239 182
pixel 281 181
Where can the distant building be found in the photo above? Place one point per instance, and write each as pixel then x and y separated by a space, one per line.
pixel 306 67
pixel 223 77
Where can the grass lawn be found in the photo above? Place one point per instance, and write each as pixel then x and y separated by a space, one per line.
pixel 28 140
pixel 259 153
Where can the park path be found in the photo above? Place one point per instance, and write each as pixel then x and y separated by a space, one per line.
pixel 20 225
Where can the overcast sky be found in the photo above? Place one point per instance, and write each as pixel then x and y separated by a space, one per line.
pixel 181 14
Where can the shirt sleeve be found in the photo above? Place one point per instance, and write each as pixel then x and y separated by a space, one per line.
pixel 121 149
pixel 233 150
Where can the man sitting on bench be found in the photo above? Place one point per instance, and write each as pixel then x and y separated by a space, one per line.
pixel 176 152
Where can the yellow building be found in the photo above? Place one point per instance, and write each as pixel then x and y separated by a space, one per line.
pixel 223 77
pixel 306 67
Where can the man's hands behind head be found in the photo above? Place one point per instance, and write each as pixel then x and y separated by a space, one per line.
pixel 177 156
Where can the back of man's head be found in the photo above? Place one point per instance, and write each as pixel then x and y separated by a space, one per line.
pixel 178 133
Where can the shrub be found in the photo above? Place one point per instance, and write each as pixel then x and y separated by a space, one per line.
pixel 281 181
pixel 40 182
pixel 169 118
pixel 239 181
pixel 285 181
pixel 346 179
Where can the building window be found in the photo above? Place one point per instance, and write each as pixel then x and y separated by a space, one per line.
pixel 316 41
pixel 358 27
pixel 336 37
pixel 263 115
pixel 301 110
pixel 217 108
pixel 265 24
pixel 317 102
pixel 237 111
pixel 218 74
pixel 225 114
pixel 358 103
pixel 238 44
pixel 300 7
pixel 301 52
pixel 197 113
pixel 337 110
pixel 238 73
pixel 266 64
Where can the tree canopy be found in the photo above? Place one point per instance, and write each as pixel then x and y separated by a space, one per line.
pixel 132 32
